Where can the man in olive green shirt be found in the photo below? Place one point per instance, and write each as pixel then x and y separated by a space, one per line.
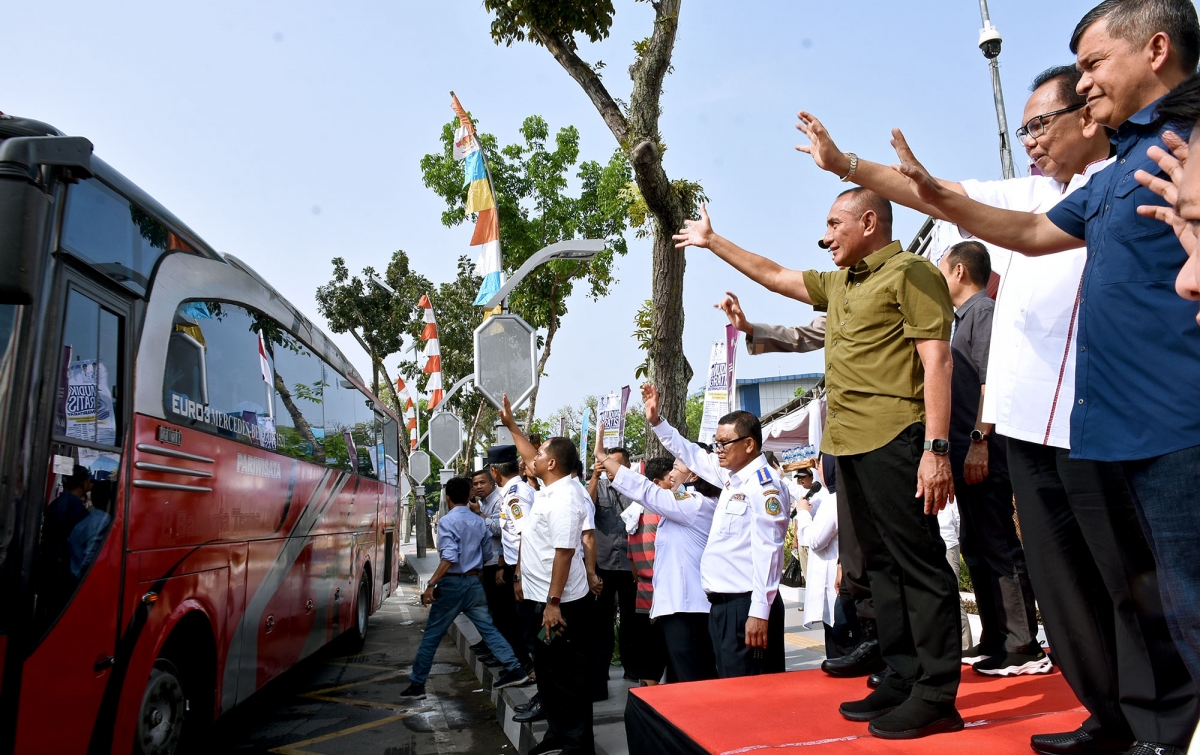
pixel 888 367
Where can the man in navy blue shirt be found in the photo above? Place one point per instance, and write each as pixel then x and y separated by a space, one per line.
pixel 464 544
pixel 1139 343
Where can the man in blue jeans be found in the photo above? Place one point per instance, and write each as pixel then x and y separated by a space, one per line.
pixel 464 543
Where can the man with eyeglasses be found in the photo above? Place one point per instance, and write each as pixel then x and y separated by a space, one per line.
pixel 743 559
pixel 888 366
pixel 1089 563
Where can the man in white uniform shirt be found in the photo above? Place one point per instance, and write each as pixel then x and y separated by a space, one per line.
pixel 1092 570
pixel 743 559
pixel 553 577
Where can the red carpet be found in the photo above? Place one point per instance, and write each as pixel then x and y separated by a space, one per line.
pixel 797 712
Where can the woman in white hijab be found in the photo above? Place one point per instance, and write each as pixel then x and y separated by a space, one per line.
pixel 816 529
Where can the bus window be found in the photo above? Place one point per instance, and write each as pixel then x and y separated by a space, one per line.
pixel 214 378
pixel 89 396
pixel 118 238
pixel 391 450
pixel 341 397
pixel 366 436
pixel 299 395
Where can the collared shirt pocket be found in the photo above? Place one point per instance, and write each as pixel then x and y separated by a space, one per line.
pixel 733 517
pixel 1140 248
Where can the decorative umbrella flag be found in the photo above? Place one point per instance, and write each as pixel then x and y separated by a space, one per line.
pixel 433 363
pixel 481 201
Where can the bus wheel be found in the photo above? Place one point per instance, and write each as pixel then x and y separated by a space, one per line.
pixel 362 609
pixel 163 713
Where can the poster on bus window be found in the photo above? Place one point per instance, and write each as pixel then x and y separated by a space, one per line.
pixel 89 404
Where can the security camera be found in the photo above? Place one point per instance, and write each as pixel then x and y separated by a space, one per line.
pixel 990 41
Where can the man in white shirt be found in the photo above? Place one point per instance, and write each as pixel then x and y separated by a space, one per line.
pixel 553 577
pixel 1086 554
pixel 743 559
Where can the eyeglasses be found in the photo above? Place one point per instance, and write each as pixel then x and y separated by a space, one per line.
pixel 1037 124
pixel 721 445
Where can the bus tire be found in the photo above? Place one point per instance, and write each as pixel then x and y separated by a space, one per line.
pixel 362 611
pixel 162 717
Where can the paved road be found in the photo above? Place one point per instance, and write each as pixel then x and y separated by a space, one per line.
pixel 337 703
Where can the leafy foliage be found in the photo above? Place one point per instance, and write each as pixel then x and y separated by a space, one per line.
pixel 561 19
pixel 643 333
pixel 695 414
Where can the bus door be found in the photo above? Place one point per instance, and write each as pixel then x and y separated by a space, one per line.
pixel 79 559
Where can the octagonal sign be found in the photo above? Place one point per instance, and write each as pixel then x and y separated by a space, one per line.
pixel 445 436
pixel 506 359
pixel 418 466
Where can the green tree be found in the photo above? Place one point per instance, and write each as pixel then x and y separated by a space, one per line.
pixel 695 414
pixel 658 204
pixel 535 210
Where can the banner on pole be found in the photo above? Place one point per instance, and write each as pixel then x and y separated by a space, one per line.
pixel 719 388
pixel 583 436
pixel 611 413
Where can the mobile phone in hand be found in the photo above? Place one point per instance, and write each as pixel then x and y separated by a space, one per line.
pixel 546 637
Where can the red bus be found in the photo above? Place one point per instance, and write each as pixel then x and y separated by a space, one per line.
pixel 242 479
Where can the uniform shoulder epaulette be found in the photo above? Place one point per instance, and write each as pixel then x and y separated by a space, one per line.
pixel 764 476
pixel 512 490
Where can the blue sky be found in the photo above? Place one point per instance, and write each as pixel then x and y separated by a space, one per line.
pixel 288 133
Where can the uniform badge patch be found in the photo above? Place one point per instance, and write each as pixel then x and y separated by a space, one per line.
pixel 772 491
pixel 738 497
pixel 764 476
pixel 773 506
pixel 516 509
pixel 681 496
pixel 512 490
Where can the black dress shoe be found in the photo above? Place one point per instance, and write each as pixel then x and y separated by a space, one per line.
pixel 874 680
pixel 879 703
pixel 1077 742
pixel 917 718
pixel 533 713
pixel 863 660
pixel 535 700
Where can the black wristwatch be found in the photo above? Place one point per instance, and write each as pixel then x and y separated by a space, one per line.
pixel 978 436
pixel 938 446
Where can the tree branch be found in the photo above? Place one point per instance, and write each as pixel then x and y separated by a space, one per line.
pixel 588 81
pixel 648 73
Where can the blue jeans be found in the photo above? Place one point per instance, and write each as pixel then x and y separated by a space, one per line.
pixel 459 594
pixel 1167 491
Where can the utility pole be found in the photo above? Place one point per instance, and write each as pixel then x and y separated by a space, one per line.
pixel 989 43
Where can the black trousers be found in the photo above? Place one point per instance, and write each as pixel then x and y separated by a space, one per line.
pixel 993 554
pixel 502 605
pixel 915 593
pixel 562 672
pixel 855 584
pixel 689 647
pixel 619 594
pixel 1098 591
pixel 647 657
pixel 727 626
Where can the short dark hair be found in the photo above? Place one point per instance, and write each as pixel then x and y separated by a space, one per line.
pixel 619 450
pixel 507 469
pixel 865 199
pixel 659 467
pixel 1067 78
pixel 458 490
pixel 1136 21
pixel 1181 106
pixel 564 452
pixel 974 258
pixel 745 424
pixel 487 470
pixel 77 479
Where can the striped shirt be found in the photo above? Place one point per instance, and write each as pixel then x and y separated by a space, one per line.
pixel 641 554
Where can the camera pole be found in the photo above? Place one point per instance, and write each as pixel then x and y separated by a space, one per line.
pixel 990 43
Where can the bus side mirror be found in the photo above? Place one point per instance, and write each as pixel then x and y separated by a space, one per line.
pixel 24 207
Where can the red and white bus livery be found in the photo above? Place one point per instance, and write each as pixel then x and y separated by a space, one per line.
pixel 242 481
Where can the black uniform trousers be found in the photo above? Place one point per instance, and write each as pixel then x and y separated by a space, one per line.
pixel 727 626
pixel 619 594
pixel 502 605
pixel 914 589
pixel 1098 592
pixel 855 588
pixel 689 647
pixel 993 554
pixel 562 674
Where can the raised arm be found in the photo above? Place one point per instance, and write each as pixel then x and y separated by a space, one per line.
pixel 524 447
pixel 695 458
pixel 881 179
pixel 770 274
pixel 642 489
pixel 1031 234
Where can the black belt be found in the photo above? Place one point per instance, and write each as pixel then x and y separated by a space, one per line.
pixel 472 573
pixel 725 597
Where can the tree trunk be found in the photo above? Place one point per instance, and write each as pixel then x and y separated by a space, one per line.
pixel 541 367
pixel 669 368
pixel 474 430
